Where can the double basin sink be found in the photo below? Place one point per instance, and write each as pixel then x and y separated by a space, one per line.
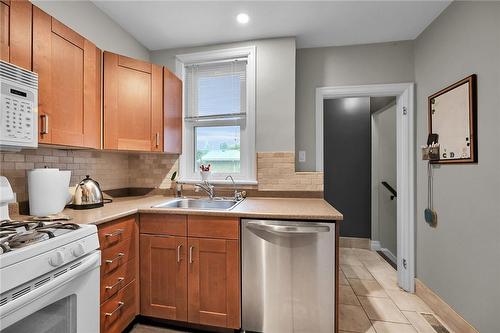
pixel 201 204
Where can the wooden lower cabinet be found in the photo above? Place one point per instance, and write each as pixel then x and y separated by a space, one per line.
pixel 185 278
pixel 119 242
pixel 214 282
pixel 164 277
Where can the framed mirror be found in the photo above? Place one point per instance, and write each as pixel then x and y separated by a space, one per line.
pixel 453 117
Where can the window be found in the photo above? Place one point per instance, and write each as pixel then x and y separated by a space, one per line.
pixel 219 117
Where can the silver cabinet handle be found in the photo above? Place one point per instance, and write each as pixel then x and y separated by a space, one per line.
pixel 191 254
pixel 157 139
pixel 289 229
pixel 120 305
pixel 120 280
pixel 179 253
pixel 45 118
pixel 115 233
pixel 118 257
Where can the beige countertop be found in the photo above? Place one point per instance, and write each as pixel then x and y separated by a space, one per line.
pixel 253 207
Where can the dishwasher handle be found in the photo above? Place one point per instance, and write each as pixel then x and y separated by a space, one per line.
pixel 288 229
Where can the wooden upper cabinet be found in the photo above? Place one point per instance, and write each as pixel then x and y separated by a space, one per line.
pixel 15 32
pixel 164 277
pixel 214 282
pixel 172 105
pixel 132 104
pixel 69 75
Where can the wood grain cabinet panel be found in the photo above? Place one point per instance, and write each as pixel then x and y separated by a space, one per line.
pixel 119 311
pixel 15 32
pixel 164 277
pixel 214 282
pixel 172 105
pixel 132 98
pixel 68 68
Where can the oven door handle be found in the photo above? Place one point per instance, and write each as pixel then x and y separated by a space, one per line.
pixel 90 262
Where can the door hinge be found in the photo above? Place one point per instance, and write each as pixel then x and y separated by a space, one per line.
pixel 405 111
pixel 404 263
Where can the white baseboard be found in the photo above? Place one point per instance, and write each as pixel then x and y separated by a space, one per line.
pixel 390 255
pixel 375 245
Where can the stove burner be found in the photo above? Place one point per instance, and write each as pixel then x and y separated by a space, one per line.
pixel 18 234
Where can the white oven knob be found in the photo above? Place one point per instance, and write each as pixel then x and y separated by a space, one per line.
pixel 78 250
pixel 57 259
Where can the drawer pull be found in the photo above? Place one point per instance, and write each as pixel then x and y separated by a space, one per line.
pixel 191 254
pixel 118 257
pixel 120 305
pixel 119 281
pixel 179 253
pixel 115 233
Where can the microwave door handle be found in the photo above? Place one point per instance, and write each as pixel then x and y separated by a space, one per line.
pixel 288 229
pixel 92 261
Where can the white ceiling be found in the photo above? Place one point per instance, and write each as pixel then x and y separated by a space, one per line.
pixel 172 24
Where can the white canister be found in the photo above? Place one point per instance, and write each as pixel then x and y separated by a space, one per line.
pixel 48 191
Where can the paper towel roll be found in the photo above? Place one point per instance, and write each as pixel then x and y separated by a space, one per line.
pixel 48 191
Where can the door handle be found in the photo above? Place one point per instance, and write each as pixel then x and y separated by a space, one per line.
pixel 289 229
pixel 179 253
pixel 191 254
pixel 157 139
pixel 45 128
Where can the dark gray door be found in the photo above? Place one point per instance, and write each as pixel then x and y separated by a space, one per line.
pixel 347 162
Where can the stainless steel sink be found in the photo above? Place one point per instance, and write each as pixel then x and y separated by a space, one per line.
pixel 202 204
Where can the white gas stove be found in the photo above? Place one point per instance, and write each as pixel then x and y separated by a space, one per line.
pixel 49 273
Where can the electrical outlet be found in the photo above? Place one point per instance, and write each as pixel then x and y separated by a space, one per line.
pixel 302 156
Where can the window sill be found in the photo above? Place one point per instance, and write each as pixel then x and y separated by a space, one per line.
pixel 217 181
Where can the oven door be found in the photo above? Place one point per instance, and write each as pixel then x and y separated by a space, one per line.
pixel 69 303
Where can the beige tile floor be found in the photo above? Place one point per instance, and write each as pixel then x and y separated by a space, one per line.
pixel 370 299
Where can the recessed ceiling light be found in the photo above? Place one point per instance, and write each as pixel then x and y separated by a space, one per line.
pixel 242 18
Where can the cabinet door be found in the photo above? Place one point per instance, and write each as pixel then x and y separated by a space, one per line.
pixel 157 109
pixel 172 94
pixel 163 277
pixel 68 68
pixel 15 32
pixel 129 102
pixel 214 282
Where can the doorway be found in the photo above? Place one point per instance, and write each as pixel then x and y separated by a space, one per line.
pixel 405 187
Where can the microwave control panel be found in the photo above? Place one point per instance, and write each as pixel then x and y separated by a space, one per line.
pixel 18 119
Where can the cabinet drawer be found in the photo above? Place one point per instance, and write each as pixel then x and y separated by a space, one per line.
pixel 213 227
pixel 163 224
pixel 116 256
pixel 118 311
pixel 114 281
pixel 113 232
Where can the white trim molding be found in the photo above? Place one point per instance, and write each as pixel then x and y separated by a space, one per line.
pixel 405 124
pixel 250 158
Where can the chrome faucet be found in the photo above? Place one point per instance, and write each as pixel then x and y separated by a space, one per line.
pixel 237 195
pixel 205 186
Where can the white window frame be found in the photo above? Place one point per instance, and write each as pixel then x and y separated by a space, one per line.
pixel 248 155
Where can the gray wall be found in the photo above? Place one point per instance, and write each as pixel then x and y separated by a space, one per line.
pixel 345 65
pixel 89 21
pixel 459 259
pixel 275 89
pixel 385 123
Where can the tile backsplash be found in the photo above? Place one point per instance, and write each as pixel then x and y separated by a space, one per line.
pixel 114 170
pixel 111 169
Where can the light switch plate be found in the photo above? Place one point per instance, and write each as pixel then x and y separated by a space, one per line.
pixel 302 156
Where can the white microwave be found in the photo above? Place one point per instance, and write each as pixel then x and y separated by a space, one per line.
pixel 19 103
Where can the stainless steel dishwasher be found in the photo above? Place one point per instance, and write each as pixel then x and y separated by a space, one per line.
pixel 288 276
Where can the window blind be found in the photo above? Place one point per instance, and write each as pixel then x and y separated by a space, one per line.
pixel 216 90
